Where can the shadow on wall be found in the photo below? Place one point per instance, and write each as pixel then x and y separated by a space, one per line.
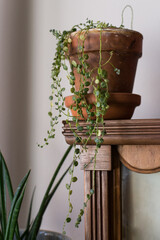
pixel 14 85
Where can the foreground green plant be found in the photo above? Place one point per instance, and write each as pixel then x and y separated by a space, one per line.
pixel 9 222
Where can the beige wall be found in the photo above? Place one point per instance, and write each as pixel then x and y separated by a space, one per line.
pixel 26 53
pixel 141 205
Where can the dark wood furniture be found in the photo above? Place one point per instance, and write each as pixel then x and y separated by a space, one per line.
pixel 134 143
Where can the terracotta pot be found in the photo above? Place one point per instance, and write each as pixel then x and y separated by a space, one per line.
pixel 121 105
pixel 127 48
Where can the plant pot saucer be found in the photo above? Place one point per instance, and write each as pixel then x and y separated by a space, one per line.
pixel 121 105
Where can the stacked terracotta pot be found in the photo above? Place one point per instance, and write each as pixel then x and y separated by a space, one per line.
pixel 126 46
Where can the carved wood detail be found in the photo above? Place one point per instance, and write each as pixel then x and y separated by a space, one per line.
pixel 103 159
pixel 140 158
pixel 97 211
pixel 122 132
pixel 103 212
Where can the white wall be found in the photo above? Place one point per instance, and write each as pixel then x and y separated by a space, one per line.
pixel 26 53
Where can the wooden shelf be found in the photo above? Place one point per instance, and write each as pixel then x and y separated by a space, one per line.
pixel 134 143
pixel 129 132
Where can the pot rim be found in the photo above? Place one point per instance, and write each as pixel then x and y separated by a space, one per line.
pixel 114 98
pixel 116 30
pixel 118 40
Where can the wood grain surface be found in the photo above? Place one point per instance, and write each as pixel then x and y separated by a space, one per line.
pixel 125 132
pixel 140 158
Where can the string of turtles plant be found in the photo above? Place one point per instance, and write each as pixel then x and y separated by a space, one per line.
pixel 95 122
pixel 95 118
pixel 57 94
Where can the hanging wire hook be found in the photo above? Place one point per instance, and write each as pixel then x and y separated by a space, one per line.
pixel 122 17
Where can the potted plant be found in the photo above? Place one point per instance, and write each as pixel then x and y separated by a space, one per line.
pixel 103 60
pixel 9 228
pixel 104 63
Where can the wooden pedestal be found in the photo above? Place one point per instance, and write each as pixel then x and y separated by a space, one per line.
pixel 136 144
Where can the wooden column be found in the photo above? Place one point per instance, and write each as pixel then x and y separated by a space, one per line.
pixel 136 144
pixel 103 212
pixel 97 213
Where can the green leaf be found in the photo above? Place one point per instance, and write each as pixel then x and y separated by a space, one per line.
pixel 15 215
pixel 91 191
pixel 87 83
pixel 70 192
pixel 9 187
pixel 86 56
pixel 50 114
pixel 99 133
pixel 65 67
pixel 72 90
pixel 74 63
pixel 74 119
pixel 74 98
pixel 80 128
pixel 82 37
pixel 96 140
pixel 92 114
pixel 99 71
pixel 72 82
pixel 97 92
pixel 26 232
pixel 51 98
pixel 81 212
pixel 80 48
pixel 90 106
pixel 85 204
pixel 97 81
pixel 75 163
pixel 65 49
pixel 3 210
pixel 103 84
pixel 15 208
pixel 85 90
pixel 87 75
pixel 88 196
pixel 68 219
pixel 77 150
pixel 98 113
pixel 98 104
pixel 74 29
pixel 74 179
pixel 117 71
pixel 72 77
pixel 104 73
pixel 67 186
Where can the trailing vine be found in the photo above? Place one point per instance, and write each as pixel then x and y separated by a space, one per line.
pixel 95 122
